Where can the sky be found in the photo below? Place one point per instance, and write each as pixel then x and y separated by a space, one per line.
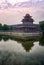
pixel 14 15
pixel 13 1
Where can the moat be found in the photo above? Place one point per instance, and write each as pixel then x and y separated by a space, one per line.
pixel 21 52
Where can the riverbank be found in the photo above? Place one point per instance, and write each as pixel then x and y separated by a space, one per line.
pixel 18 34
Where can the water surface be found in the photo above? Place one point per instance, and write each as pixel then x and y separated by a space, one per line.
pixel 21 52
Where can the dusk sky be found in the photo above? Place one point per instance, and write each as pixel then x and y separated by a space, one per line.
pixel 12 11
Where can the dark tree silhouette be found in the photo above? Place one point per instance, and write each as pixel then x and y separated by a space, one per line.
pixel 0 26
pixel 41 23
pixel 5 27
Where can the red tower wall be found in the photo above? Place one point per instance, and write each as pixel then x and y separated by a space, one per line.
pixel 27 22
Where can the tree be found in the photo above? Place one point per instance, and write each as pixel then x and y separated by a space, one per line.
pixel 41 23
pixel 41 41
pixel 5 27
pixel 0 26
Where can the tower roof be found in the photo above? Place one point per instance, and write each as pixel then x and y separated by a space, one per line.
pixel 27 18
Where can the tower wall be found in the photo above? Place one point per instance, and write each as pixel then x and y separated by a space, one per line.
pixel 27 19
pixel 27 22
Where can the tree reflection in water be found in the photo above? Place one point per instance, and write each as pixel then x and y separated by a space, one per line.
pixel 5 38
pixel 41 41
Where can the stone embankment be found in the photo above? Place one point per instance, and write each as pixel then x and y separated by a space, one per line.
pixel 18 34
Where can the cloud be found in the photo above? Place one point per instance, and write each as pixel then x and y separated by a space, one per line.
pixel 15 15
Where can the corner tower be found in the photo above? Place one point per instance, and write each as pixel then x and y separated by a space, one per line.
pixel 27 19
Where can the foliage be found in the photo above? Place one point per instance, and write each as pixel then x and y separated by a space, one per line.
pixel 41 23
pixel 41 41
pixel 5 27
pixel 0 26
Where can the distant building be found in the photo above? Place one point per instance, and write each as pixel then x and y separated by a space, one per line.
pixel 27 25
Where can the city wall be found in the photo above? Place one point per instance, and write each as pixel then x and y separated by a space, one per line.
pixel 18 34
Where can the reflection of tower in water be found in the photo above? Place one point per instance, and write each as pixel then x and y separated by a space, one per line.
pixel 27 45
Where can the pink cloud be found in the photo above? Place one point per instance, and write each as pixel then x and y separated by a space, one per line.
pixel 15 15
